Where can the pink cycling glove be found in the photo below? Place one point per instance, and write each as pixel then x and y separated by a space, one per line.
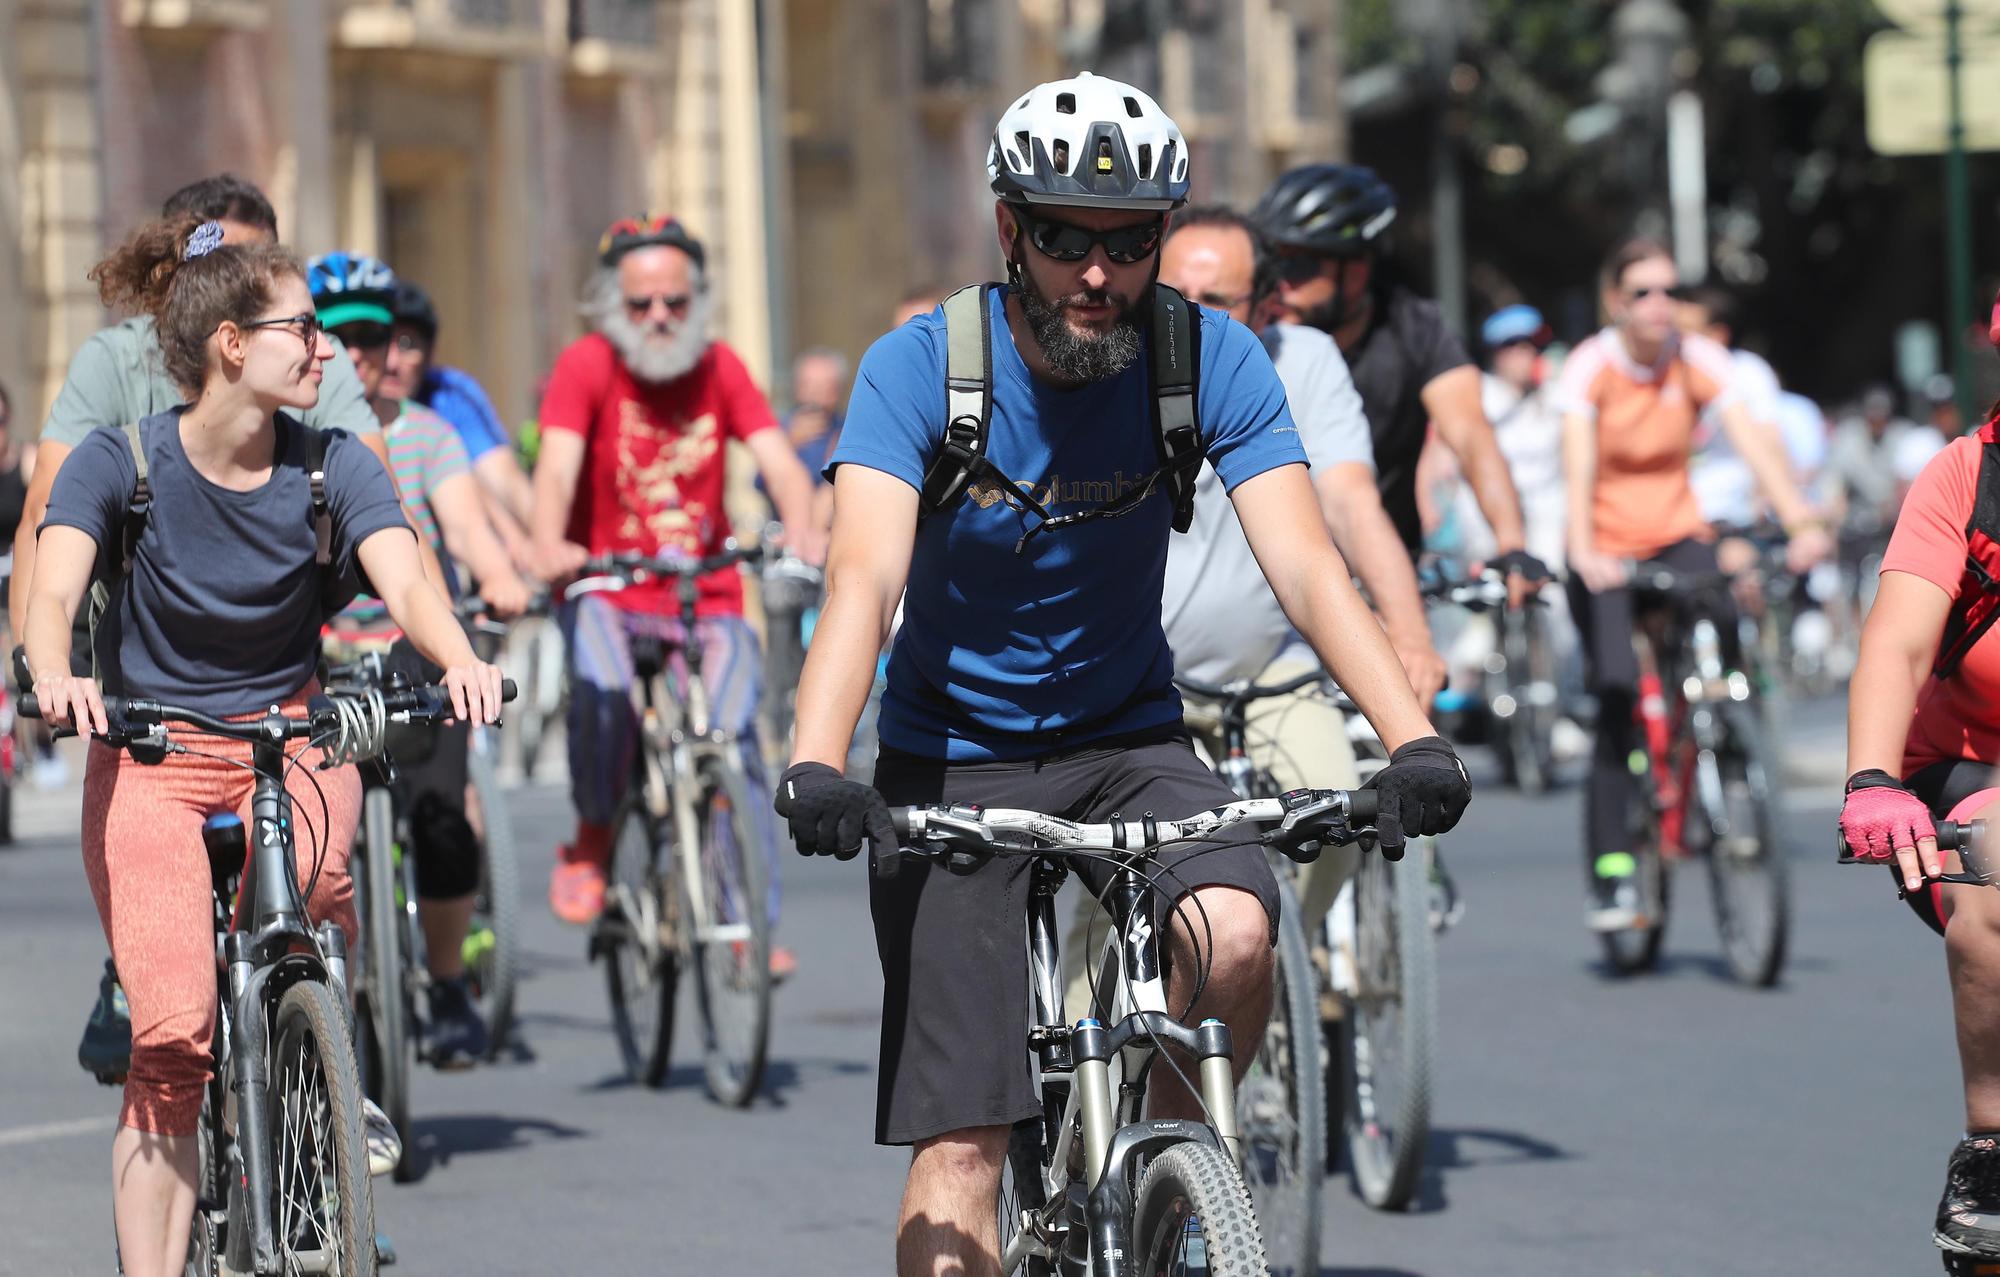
pixel 1880 815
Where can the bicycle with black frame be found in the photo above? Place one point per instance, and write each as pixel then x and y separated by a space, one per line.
pixel 689 886
pixel 1519 692
pixel 282 1185
pixel 1710 782
pixel 1092 1184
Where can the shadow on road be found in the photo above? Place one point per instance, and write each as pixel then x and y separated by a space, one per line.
pixel 1467 1149
pixel 1712 965
pixel 1368 1272
pixel 436 1140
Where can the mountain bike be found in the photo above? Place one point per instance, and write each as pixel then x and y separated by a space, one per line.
pixel 1092 1184
pixel 1710 781
pixel 283 1181
pixel 689 886
pixel 1280 1102
pixel 1518 689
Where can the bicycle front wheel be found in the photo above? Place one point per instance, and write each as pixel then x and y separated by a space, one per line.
pixel 1278 1105
pixel 1192 1218
pixel 1021 1191
pixel 493 945
pixel 322 1206
pixel 1746 862
pixel 725 894
pixel 634 938
pixel 1389 1031
pixel 382 1004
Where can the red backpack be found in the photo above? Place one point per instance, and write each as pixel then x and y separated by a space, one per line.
pixel 1978 603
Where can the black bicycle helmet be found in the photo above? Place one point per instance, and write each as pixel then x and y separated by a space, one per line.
pixel 412 305
pixel 1342 210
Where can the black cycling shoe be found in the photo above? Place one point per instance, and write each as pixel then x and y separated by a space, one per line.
pixel 1968 1215
pixel 106 1050
pixel 458 1036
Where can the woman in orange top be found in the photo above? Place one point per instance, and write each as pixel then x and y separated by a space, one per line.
pixel 1630 397
pixel 1919 747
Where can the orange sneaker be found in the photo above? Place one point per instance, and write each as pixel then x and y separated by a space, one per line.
pixel 784 964
pixel 576 888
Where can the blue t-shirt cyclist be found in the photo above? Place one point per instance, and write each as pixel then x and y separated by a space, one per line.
pixel 1031 669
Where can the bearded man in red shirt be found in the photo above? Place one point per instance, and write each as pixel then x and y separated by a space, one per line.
pixel 634 421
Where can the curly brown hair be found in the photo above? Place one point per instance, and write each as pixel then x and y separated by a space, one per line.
pixel 151 274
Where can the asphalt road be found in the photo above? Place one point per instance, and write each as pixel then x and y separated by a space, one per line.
pixel 1673 1124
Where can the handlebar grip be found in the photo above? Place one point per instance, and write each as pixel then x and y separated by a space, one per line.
pixel 899 819
pixel 1950 835
pixel 1363 805
pixel 507 689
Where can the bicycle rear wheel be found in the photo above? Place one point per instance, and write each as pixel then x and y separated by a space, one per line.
pixel 1637 948
pixel 1525 748
pixel 727 936
pixel 634 937
pixel 1192 1218
pixel 1746 862
pixel 493 946
pixel 382 1002
pixel 1021 1189
pixel 1278 1105
pixel 322 1209
pixel 1389 1032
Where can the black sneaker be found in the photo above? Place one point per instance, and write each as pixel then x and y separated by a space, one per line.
pixel 457 1034
pixel 106 1049
pixel 1968 1215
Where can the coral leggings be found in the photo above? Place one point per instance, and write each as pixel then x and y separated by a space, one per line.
pixel 148 871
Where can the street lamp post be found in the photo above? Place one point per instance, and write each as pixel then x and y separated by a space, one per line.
pixel 1958 216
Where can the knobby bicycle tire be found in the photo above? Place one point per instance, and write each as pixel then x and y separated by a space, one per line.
pixel 728 944
pixel 1189 1192
pixel 641 986
pixel 316 1125
pixel 497 970
pixel 1748 883
pixel 383 1021
pixel 1389 1031
pixel 1279 1103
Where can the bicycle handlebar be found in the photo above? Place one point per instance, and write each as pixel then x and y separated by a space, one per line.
pixel 962 837
pixel 1242 692
pixel 1967 838
pixel 141 717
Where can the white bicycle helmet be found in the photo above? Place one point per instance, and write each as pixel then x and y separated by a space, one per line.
pixel 1092 142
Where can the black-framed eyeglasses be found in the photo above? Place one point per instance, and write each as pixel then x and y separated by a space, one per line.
pixel 364 335
pixel 1067 243
pixel 306 326
pixel 1677 292
pixel 676 303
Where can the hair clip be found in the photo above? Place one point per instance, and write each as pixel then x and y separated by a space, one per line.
pixel 206 239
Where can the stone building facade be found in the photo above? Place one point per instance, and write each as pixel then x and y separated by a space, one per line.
pixel 479 146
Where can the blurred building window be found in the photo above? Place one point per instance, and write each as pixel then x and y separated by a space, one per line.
pixel 633 22
pixel 958 38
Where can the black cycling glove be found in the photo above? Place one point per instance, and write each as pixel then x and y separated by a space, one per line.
pixel 1424 791
pixel 831 815
pixel 1522 562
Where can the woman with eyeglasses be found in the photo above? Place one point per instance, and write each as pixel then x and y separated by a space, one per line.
pixel 1630 398
pixel 220 609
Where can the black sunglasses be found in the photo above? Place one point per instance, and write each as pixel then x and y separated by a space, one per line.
pixel 364 336
pixel 676 303
pixel 1067 243
pixel 1677 292
pixel 307 327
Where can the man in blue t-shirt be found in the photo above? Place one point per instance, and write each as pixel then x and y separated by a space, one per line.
pixel 1031 669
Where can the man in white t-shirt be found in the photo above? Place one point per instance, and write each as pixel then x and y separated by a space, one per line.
pixel 1222 621
pixel 1723 485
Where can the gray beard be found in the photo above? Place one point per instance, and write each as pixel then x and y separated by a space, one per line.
pixel 650 357
pixel 1073 356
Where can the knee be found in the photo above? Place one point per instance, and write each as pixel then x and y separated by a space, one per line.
pixel 969 1158
pixel 1229 935
pixel 447 852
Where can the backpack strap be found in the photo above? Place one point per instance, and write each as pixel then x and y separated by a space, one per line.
pixel 316 476
pixel 968 396
pixel 1176 359
pixel 103 590
pixel 1978 603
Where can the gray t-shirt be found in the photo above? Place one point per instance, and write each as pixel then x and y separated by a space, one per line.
pixel 116 378
pixel 224 604
pixel 1221 618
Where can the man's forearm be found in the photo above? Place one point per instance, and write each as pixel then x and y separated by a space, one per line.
pixel 1498 501
pixel 1362 532
pixel 24 568
pixel 1342 632
pixel 838 676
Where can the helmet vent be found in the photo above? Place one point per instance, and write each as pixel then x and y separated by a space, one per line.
pixel 1132 107
pixel 1180 170
pixel 1145 157
pixel 1061 157
pixel 1023 145
pixel 1065 104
